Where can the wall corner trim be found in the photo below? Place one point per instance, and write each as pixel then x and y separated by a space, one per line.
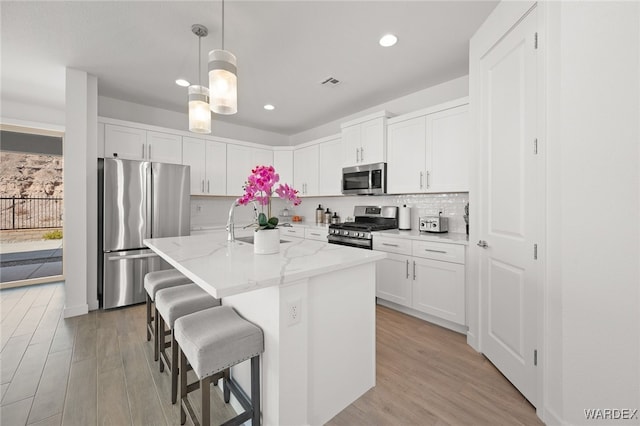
pixel 75 311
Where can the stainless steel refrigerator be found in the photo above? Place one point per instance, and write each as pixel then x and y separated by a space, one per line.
pixel 136 200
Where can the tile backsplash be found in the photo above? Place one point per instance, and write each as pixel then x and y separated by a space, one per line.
pixel 213 211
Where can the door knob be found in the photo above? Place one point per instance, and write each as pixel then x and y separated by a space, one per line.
pixel 482 244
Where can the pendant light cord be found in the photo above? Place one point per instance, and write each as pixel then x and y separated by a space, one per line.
pixel 222 24
pixel 199 62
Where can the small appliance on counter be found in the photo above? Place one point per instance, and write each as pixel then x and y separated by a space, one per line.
pixel 404 218
pixel 437 224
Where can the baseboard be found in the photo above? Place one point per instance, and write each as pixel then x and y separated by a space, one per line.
pixel 32 281
pixel 426 317
pixel 552 418
pixel 472 341
pixel 75 311
pixel 94 305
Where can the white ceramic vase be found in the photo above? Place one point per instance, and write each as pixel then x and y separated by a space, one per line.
pixel 266 241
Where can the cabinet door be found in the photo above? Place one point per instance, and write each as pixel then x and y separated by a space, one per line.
pixel 438 289
pixel 239 165
pixel 261 157
pixel 393 279
pixel 373 141
pixel 124 142
pixel 164 148
pixel 216 169
pixel 330 167
pixel 406 151
pixel 305 170
pixel 448 139
pixel 283 163
pixel 193 154
pixel 351 145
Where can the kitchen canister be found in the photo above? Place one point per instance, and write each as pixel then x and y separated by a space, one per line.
pixel 404 217
pixel 319 214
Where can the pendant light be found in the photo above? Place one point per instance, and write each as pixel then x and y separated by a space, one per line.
pixel 199 111
pixel 223 79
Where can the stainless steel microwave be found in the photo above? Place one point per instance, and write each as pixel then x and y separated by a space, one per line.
pixel 367 179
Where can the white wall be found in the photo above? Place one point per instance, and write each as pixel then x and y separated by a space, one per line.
pixel 438 94
pixel 80 177
pixel 114 108
pixel 29 115
pixel 594 161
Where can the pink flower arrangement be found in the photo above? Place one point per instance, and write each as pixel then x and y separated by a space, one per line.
pixel 259 188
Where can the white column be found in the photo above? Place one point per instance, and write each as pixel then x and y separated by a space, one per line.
pixel 80 180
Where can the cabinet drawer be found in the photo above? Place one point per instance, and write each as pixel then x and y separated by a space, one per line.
pixel 392 245
pixel 316 234
pixel 292 232
pixel 439 251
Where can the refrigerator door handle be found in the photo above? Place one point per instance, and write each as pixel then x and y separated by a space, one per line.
pixel 148 182
pixel 132 256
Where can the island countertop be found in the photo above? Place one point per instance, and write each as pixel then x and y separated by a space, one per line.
pixel 226 269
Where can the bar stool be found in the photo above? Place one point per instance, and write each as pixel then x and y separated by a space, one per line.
pixel 212 341
pixel 171 304
pixel 154 282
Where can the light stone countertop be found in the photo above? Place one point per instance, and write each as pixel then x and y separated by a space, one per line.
pixel 414 234
pixel 224 269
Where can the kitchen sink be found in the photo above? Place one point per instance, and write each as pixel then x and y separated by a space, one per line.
pixel 249 239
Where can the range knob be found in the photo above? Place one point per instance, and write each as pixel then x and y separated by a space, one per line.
pixel 345 233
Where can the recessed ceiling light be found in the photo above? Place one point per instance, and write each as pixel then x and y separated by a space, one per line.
pixel 182 82
pixel 388 40
pixel 269 107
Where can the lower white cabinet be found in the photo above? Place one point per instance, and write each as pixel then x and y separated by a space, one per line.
pixel 423 281
pixel 292 231
pixel 318 234
pixel 438 289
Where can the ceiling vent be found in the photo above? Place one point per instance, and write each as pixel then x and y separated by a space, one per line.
pixel 330 81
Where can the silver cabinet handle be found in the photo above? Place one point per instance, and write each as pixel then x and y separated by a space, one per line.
pixel 149 152
pixel 313 233
pixel 435 251
pixel 208 187
pixel 291 231
pixel 427 179
pixel 357 156
pixel 361 154
pixel 414 270
pixel 421 176
pixel 483 244
pixel 389 244
pixel 202 185
pixel 407 268
pixel 143 151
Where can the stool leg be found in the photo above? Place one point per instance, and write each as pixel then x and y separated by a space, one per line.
pixel 225 388
pixel 174 367
pixel 255 390
pixel 160 340
pixel 205 388
pixel 156 326
pixel 183 387
pixel 148 317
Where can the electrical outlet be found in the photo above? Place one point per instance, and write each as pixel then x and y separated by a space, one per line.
pixel 294 311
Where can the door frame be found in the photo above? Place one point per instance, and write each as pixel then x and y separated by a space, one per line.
pixel 504 17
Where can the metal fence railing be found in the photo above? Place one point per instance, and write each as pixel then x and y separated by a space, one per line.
pixel 30 213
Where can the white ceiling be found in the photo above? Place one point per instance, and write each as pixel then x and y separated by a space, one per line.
pixel 284 49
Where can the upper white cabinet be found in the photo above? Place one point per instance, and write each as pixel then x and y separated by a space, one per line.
pixel 330 167
pixel 428 150
pixel 365 140
pixel 240 161
pixel 208 161
pixel 283 163
pixel 305 170
pixel 138 144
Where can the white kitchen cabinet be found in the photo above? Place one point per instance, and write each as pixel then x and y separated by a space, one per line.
pixel 240 161
pixel 164 147
pixel 330 167
pixel 125 142
pixel 394 280
pixel 318 234
pixel 438 289
pixel 365 140
pixel 427 151
pixel 130 143
pixel 208 161
pixel 283 163
pixel 292 231
pixel 305 170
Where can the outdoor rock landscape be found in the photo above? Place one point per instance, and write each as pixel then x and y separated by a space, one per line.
pixel 30 175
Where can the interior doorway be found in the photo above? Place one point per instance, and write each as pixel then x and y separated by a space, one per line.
pixel 31 206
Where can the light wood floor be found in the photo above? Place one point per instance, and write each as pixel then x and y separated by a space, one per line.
pixel 99 369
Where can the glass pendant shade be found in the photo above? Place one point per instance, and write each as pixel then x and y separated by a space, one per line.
pixel 199 111
pixel 223 82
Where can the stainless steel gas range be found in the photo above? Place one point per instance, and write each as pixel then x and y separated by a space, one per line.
pixel 367 220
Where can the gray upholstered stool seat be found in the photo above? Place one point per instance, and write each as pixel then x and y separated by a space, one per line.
pixel 171 304
pixel 153 282
pixel 212 341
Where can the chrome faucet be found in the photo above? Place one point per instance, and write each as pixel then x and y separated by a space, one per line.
pixel 231 232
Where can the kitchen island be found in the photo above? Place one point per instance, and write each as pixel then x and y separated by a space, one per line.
pixel 316 305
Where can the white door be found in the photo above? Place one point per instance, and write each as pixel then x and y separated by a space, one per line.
pixel 305 170
pixel 216 170
pixel 261 157
pixel 394 279
pixel 164 148
pixel 406 156
pixel 438 289
pixel 125 142
pixel 283 163
pixel 351 137
pixel 193 154
pixel 239 165
pixel 330 167
pixel 508 204
pixel 373 141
